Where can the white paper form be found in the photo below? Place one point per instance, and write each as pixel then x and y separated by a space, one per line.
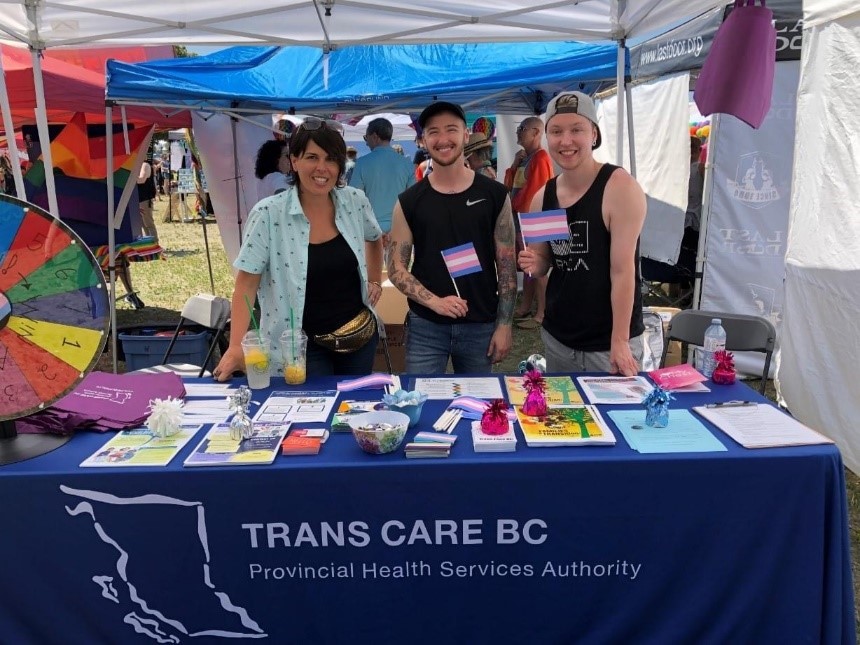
pixel 310 406
pixel 755 425
pixel 445 389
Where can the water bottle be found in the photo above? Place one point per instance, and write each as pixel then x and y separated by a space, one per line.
pixel 715 341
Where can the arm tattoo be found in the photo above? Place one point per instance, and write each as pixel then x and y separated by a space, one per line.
pixel 506 268
pixel 399 274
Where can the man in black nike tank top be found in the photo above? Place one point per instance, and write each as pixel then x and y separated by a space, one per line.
pixel 593 318
pixel 467 317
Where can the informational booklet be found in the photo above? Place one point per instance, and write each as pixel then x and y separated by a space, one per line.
pixel 218 449
pixel 759 425
pixel 569 425
pixel 493 442
pixel 139 447
pixel 676 377
pixel 684 433
pixel 447 388
pixel 614 389
pixel 310 406
pixel 560 390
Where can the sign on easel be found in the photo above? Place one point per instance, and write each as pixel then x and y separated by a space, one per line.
pixel 186 181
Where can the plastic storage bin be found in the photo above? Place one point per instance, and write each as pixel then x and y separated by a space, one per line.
pixel 146 351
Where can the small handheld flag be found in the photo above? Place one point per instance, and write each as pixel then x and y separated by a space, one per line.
pixel 462 260
pixel 544 226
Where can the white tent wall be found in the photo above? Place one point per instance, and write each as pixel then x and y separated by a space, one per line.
pixel 746 220
pixel 817 375
pixel 661 117
pixel 215 143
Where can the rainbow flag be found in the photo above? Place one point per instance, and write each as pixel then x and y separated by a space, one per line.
pixel 462 260
pixel 544 226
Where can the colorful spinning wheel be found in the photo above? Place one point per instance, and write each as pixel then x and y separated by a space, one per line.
pixel 54 309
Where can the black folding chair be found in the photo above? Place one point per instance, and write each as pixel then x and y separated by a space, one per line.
pixel 743 334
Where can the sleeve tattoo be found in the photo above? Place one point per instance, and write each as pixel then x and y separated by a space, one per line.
pixel 506 265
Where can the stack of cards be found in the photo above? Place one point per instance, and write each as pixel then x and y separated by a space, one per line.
pixel 429 445
pixel 304 441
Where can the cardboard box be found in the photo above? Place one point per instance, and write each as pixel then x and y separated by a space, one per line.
pixel 396 349
pixel 392 306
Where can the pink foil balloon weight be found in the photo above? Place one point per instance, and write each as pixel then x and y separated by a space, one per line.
pixel 535 403
pixel 495 418
pixel 724 373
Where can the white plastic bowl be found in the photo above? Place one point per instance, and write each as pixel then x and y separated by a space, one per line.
pixel 379 441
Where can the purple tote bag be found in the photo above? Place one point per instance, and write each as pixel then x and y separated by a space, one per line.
pixel 737 77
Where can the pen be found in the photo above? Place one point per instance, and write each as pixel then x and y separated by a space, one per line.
pixel 730 404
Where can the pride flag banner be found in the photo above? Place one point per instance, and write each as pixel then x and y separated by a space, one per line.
pixel 544 226
pixel 462 260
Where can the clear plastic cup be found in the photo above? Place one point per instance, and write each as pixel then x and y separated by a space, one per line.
pixel 257 360
pixel 294 349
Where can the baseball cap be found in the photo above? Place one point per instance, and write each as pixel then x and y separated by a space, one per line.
pixel 573 103
pixel 438 108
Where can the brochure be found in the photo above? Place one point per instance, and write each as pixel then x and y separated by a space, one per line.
pixel 218 449
pixel 569 425
pixel 677 376
pixel 447 388
pixel 560 390
pixel 139 447
pixel 614 389
pixel 310 406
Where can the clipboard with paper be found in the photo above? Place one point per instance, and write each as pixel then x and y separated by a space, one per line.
pixel 760 425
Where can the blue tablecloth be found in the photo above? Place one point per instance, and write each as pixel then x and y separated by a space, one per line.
pixel 552 545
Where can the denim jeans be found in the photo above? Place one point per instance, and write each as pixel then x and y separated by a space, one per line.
pixel 561 358
pixel 324 362
pixel 429 345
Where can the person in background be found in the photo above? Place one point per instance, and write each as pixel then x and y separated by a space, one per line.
pixel 7 178
pixel 398 149
pixel 312 256
pixel 272 168
pixel 351 156
pixel 593 317
pixel 479 152
pixel 530 170
pixel 693 216
pixel 467 321
pixel 145 194
pixel 383 174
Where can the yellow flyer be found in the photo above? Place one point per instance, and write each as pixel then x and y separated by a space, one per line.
pixel 560 390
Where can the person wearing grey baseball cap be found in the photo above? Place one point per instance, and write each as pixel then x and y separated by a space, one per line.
pixel 593 318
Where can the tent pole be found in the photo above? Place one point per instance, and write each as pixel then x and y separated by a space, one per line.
pixel 111 237
pixel 619 97
pixel 9 129
pixel 628 90
pixel 233 121
pixel 44 134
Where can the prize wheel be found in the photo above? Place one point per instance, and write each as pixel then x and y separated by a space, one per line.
pixel 54 309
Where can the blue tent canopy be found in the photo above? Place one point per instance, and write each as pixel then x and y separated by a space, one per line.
pixel 502 78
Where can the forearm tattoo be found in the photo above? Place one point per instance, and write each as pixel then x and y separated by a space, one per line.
pixel 400 276
pixel 506 267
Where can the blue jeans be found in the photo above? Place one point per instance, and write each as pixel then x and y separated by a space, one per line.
pixel 429 345
pixel 324 362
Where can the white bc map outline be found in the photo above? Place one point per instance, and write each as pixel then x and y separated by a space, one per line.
pixel 149 620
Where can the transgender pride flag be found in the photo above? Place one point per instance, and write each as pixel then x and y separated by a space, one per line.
pixel 462 260
pixel 544 226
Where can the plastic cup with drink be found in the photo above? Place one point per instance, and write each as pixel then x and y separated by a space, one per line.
pixel 257 360
pixel 294 349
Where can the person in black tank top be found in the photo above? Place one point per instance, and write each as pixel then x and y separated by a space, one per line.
pixel 593 318
pixel 466 318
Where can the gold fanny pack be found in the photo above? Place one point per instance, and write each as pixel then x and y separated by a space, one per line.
pixel 351 336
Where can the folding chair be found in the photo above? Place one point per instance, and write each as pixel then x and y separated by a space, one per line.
pixel 656 274
pixel 743 334
pixel 208 311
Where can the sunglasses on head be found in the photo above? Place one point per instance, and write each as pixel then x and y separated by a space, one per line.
pixel 523 128
pixel 315 123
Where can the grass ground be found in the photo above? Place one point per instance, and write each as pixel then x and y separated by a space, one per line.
pixel 165 286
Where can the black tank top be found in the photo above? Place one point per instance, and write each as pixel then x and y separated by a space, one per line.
pixel 146 190
pixel 438 222
pixel 578 294
pixel 333 290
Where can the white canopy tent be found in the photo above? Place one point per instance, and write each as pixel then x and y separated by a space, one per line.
pixel 817 374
